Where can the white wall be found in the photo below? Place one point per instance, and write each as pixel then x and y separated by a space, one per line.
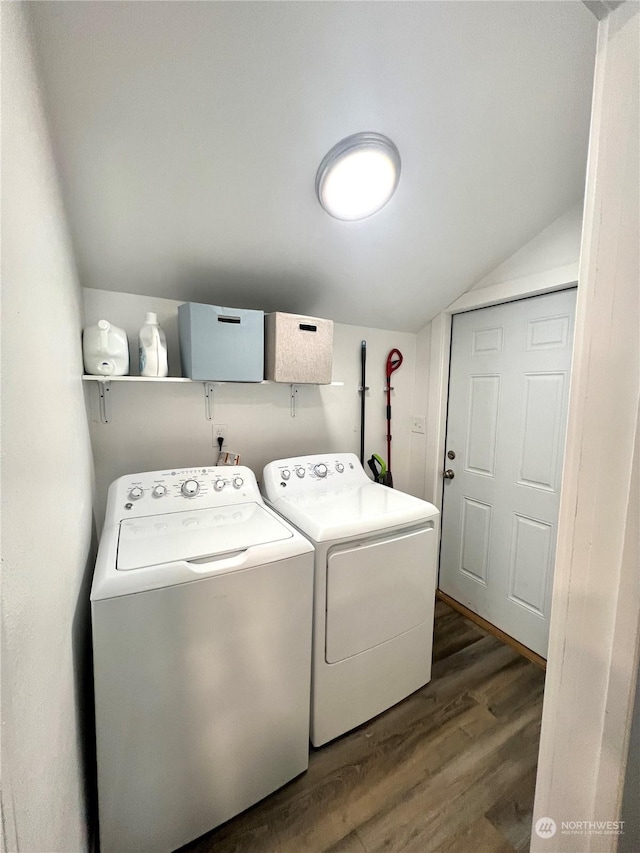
pixel 46 480
pixel 420 408
pixel 155 426
pixel 555 246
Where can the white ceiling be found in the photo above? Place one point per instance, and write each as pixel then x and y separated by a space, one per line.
pixel 188 137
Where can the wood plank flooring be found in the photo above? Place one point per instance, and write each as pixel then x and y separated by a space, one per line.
pixel 451 769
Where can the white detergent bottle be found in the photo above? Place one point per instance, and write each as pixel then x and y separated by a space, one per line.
pixel 105 350
pixel 152 348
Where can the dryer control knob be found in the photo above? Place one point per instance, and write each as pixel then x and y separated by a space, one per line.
pixel 285 474
pixel 339 467
pixel 190 488
pixel 237 482
pixel 300 472
pixel 159 491
pixel 136 493
pixel 320 469
pixel 218 485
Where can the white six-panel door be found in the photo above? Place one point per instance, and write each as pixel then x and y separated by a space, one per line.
pixel 508 395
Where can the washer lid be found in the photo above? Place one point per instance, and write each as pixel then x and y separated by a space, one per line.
pixel 196 535
pixel 352 510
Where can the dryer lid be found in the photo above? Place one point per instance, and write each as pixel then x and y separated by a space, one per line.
pixel 196 535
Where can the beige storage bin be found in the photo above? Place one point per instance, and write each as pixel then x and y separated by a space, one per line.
pixel 298 349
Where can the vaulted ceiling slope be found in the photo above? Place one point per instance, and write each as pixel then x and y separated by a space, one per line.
pixel 188 136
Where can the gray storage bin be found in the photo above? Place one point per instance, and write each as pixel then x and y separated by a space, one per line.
pixel 225 344
pixel 298 349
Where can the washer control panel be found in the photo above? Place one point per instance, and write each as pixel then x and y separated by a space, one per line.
pixel 308 474
pixel 157 492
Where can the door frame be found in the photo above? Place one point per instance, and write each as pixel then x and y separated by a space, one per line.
pixel 560 278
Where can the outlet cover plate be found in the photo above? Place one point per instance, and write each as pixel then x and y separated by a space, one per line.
pixel 220 430
pixel 418 424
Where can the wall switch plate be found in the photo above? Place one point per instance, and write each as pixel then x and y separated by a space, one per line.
pixel 418 424
pixel 220 430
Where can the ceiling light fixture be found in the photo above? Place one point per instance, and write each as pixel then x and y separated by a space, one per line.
pixel 358 176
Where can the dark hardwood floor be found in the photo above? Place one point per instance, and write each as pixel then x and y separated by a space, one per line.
pixel 450 769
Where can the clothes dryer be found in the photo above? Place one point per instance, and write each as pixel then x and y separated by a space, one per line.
pixel 375 580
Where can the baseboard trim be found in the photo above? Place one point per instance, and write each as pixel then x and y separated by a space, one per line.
pixel 492 629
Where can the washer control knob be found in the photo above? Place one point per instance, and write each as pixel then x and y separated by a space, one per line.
pixel 320 469
pixel 218 485
pixel 300 472
pixel 339 467
pixel 159 491
pixel 237 482
pixel 136 493
pixel 285 474
pixel 190 488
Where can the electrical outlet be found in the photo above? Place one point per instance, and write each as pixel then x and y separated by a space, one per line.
pixel 418 424
pixel 220 431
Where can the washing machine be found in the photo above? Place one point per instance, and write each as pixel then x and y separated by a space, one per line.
pixel 201 611
pixel 375 581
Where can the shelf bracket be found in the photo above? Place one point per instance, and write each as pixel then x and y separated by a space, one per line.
pixel 104 391
pixel 208 400
pixel 294 401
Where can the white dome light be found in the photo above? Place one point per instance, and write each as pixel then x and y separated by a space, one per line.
pixel 358 176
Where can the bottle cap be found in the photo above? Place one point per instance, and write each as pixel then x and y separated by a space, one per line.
pixel 151 319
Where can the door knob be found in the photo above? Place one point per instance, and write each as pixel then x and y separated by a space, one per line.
pixel 448 474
